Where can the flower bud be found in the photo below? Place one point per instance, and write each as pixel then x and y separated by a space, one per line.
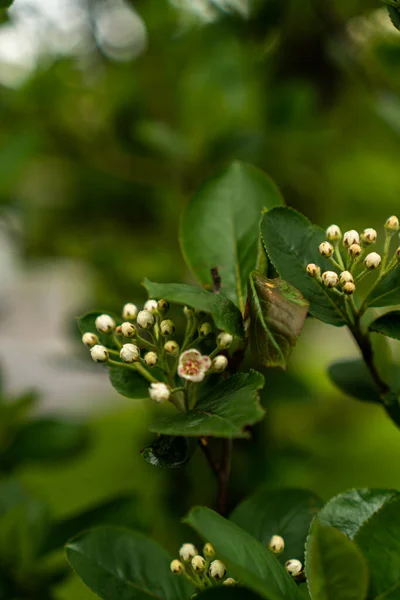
pixel 392 224
pixel 369 236
pixel 217 570
pixel 187 552
pixel 373 261
pixel 346 277
pixel 294 567
pixel 276 544
pixel 330 279
pixel 145 319
pixel 351 237
pixel 205 329
pixel 129 353
pixel 220 363
pixel 229 581
pixel 333 233
pixel 118 330
pixel 313 270
pixel 105 324
pixel 159 392
pixel 355 250
pixel 128 330
pixel 151 306
pixel 151 359
pixel 171 347
pixel 198 563
pixel 167 327
pixel 208 550
pixel 188 311
pixel 224 340
pixel 177 567
pixel 129 312
pixel 99 353
pixel 90 339
pixel 349 288
pixel 326 249
pixel 163 306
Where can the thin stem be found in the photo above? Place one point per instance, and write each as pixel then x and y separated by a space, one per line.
pixel 136 366
pixel 335 263
pixel 339 256
pixel 388 238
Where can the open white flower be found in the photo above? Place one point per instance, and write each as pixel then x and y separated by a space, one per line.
pixel 193 366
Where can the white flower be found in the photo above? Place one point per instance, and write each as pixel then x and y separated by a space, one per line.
pixel 349 288
pixel 145 319
pixel 167 327
pixel 326 249
pixel 217 570
pixel 369 236
pixel 346 277
pixel 392 224
pixel 151 306
pixel 330 279
pixel 90 339
pixel 187 552
pixel 129 353
pixel 229 581
pixel 171 347
pixel 294 567
pixel 220 363
pixel 313 270
pixel 129 312
pixel 373 260
pixel 105 324
pixel 193 366
pixel 355 250
pixel 177 567
pixel 208 550
pixel 333 233
pixel 151 359
pixel 99 353
pixel 351 237
pixel 198 564
pixel 159 392
pixel 128 330
pixel 276 544
pixel 224 340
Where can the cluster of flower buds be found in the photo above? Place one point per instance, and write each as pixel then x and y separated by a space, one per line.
pixel 293 566
pixel 202 570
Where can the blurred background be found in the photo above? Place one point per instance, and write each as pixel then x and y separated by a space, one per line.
pixel 111 114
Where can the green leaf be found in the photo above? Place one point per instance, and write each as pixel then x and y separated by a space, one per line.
pixel 228 593
pixel 335 568
pixel 224 411
pixel 225 314
pixel 353 378
pixel 169 452
pixel 388 324
pixel 129 383
pixel 246 558
pixel 387 292
pixel 279 512
pixel 292 243
pixel 5 4
pixel 348 512
pixel 220 227
pixel 86 323
pixel 118 563
pixel 277 313
pixel 394 14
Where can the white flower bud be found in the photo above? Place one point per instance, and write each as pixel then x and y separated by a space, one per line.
pixel 346 277
pixel 129 312
pixel 99 353
pixel 163 305
pixel 151 359
pixel 129 353
pixel 205 329
pixel 198 563
pixel 217 570
pixel 392 224
pixel 151 306
pixel 167 327
pixel 355 250
pixel 330 279
pixel 220 363
pixel 326 249
pixel 171 347
pixel 224 340
pixel 276 544
pixel 349 288
pixel 187 552
pixel 90 339
pixel 145 319
pixel 105 324
pixel 177 567
pixel 229 581
pixel 128 330
pixel 369 236
pixel 373 260
pixel 351 237
pixel 313 270
pixel 333 233
pixel 208 550
pixel 159 392
pixel 294 567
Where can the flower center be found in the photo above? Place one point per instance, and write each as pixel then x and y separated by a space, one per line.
pixel 192 367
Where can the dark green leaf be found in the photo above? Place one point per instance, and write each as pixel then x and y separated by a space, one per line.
pixel 228 593
pixel 353 378
pixel 394 14
pixel 220 227
pixel 292 243
pixel 246 558
pixel 224 412
pixel 277 313
pixel 225 314
pixel 387 292
pixel 118 563
pixel 86 323
pixel 335 568
pixel 129 383
pixel 279 512
pixel 351 510
pixel 5 4
pixel 169 452
pixel 388 324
